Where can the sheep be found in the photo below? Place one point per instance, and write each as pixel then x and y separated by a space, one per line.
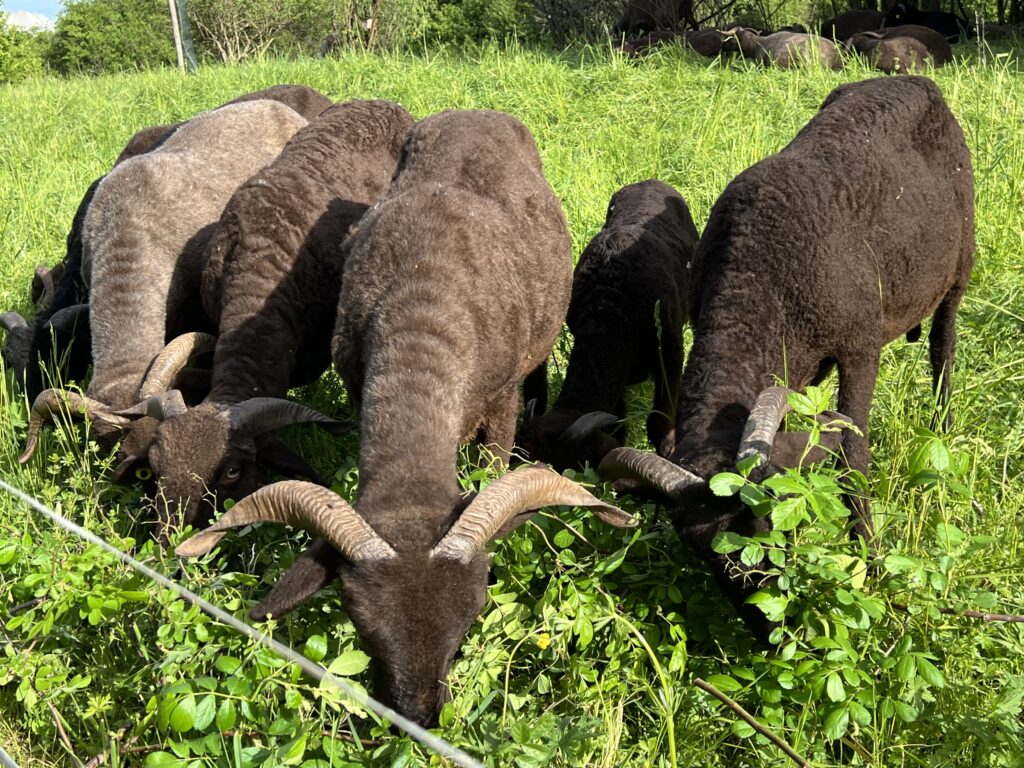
pixel 271 282
pixel 849 23
pixel 939 50
pixel 628 307
pixel 141 246
pixel 814 257
pixel 455 286
pixel 897 54
pixel 949 25
pixel 66 319
pixel 786 49
pixel 643 16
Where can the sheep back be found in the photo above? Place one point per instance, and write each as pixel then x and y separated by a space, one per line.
pixel 273 270
pixel 150 210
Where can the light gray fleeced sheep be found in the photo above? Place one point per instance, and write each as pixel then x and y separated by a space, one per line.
pixel 143 240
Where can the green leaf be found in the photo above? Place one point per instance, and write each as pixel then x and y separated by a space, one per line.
pixel 727 542
pixel 726 484
pixel 930 673
pixel 906 669
pixel 563 538
pixel 836 723
pixel 205 712
pixel 164 760
pixel 834 687
pixel 349 663
pixel 904 711
pixel 181 713
pixel 315 648
pixel 227 716
pixel 789 513
pixel 724 683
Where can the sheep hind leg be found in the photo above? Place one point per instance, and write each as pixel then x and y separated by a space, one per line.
pixel 857 377
pixel 941 349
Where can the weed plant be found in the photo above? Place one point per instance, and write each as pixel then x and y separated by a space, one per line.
pixel 586 651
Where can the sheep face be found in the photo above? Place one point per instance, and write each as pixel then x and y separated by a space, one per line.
pixel 18 346
pixel 199 461
pixel 411 613
pixel 552 439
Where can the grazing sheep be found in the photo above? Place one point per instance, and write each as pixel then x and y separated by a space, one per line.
pixel 61 333
pixel 848 24
pixel 270 283
pixel 628 306
pixel 786 49
pixel 814 257
pixel 455 286
pixel 949 25
pixel 898 54
pixel 142 245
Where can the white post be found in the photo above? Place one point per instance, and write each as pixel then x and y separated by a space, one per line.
pixel 177 35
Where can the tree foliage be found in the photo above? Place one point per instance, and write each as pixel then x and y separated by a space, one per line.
pixel 21 52
pixel 96 36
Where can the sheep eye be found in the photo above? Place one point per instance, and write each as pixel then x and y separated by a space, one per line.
pixel 143 473
pixel 231 474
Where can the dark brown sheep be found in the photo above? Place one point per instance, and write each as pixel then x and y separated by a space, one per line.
pixel 815 258
pixel 939 50
pixel 455 286
pixel 897 54
pixel 271 283
pixel 849 23
pixel 628 306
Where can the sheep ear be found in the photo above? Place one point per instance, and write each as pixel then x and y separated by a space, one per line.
pixel 317 567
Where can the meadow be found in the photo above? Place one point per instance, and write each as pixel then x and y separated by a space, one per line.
pixel 587 650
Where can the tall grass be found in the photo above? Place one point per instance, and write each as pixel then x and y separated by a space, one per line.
pixel 586 627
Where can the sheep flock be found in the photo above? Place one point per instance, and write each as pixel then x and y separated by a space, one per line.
pixel 429 261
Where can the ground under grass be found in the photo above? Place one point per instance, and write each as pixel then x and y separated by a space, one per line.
pixel 586 653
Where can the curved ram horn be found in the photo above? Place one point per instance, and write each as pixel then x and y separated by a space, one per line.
pixel 317 510
pixel 159 407
pixel 10 321
pixel 52 401
pixel 650 469
pixel 764 421
pixel 529 411
pixel 65 320
pixel 42 287
pixel 588 424
pixel 523 490
pixel 172 359
pixel 259 415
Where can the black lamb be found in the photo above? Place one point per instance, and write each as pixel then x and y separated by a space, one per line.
pixel 814 258
pixel 270 283
pixel 628 306
pixel 455 286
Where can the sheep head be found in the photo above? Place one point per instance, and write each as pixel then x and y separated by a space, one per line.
pixel 18 346
pixel 698 515
pixel 567 438
pixel 201 456
pixel 414 601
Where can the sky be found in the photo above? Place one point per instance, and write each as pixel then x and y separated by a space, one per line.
pixel 49 8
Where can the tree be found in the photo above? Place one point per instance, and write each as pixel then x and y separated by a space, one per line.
pixel 21 52
pixel 95 36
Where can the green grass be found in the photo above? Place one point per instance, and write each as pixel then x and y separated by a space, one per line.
pixel 586 652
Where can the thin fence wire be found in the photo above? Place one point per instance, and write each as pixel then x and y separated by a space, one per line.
pixel 6 761
pixel 314 670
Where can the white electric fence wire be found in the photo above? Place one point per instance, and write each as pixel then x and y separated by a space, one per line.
pixel 314 670
pixel 6 761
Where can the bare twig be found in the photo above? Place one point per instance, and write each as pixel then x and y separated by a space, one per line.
pixel 101 758
pixel 969 614
pixel 63 734
pixel 749 718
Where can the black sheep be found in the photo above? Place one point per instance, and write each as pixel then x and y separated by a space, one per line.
pixel 949 25
pixel 271 282
pixel 628 306
pixel 939 51
pixel 848 24
pixel 455 286
pixel 892 54
pixel 815 257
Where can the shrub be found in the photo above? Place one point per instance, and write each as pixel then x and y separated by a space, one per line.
pixel 96 36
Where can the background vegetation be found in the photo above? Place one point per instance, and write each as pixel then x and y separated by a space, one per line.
pixel 587 650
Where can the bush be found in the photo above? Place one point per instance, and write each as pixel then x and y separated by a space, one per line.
pixel 95 36
pixel 21 52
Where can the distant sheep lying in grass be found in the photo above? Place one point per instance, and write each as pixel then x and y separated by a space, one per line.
pixel 814 258
pixel 628 306
pixel 271 284
pixel 455 286
pixel 939 51
pixel 899 55
pixel 786 49
pixel 142 245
